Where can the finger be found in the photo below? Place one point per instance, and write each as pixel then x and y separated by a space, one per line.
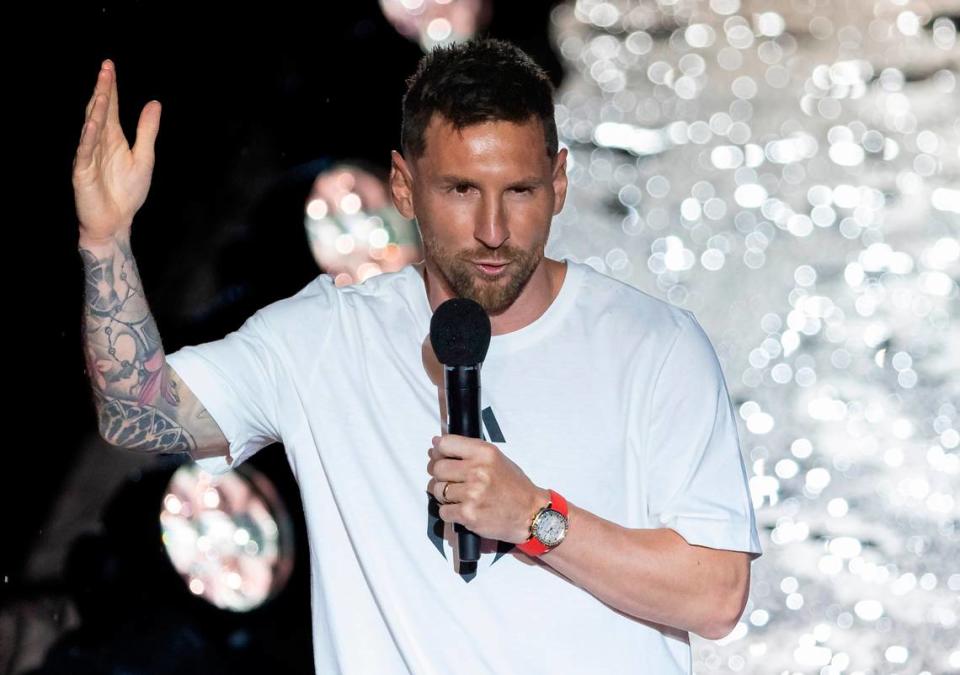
pixel 452 470
pixel 454 445
pixel 90 134
pixel 101 87
pixel 454 492
pixel 147 128
pixel 113 113
pixel 451 513
pixel 435 489
pixel 84 147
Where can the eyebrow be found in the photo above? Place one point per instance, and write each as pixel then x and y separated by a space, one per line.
pixel 534 181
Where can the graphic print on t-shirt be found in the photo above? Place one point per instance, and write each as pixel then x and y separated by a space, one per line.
pixel 490 429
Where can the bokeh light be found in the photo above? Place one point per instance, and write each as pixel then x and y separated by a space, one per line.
pixel 789 173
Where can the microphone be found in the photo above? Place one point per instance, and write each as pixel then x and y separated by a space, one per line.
pixel 460 336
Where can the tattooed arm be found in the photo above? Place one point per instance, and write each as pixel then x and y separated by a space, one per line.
pixel 141 402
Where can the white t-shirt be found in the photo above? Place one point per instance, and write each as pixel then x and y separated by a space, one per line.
pixel 613 398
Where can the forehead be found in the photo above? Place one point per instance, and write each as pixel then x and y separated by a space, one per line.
pixel 490 146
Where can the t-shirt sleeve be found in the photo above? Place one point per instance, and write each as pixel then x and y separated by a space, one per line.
pixel 235 380
pixel 696 481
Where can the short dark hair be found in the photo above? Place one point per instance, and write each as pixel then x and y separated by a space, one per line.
pixel 472 82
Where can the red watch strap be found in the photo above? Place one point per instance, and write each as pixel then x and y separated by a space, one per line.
pixel 533 546
pixel 558 503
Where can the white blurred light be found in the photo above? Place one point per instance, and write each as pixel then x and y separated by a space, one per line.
pixel 638 140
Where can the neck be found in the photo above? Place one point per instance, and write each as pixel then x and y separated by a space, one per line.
pixel 533 301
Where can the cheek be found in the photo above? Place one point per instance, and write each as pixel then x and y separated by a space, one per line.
pixel 531 215
pixel 451 216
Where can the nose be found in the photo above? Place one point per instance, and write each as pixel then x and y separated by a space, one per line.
pixel 491 228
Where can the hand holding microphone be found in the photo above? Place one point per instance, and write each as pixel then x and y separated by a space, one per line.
pixel 460 336
pixel 489 495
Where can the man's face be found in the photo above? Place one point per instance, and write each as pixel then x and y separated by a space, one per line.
pixel 485 193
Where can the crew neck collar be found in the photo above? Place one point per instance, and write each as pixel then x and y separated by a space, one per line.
pixel 522 337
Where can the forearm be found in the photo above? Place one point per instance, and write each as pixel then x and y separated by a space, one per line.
pixel 134 395
pixel 650 574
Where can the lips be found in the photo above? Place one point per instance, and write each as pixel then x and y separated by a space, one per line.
pixel 491 268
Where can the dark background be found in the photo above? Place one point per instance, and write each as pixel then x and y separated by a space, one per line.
pixel 256 101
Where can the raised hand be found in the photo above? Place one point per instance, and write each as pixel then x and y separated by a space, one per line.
pixel 111 179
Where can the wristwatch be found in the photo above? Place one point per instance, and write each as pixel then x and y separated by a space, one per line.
pixel 548 528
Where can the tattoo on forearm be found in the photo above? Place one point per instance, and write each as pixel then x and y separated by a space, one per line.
pixel 135 396
pixel 143 428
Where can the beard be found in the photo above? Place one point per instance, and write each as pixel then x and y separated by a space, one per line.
pixel 467 281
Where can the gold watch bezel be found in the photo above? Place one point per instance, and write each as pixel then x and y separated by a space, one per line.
pixel 538 518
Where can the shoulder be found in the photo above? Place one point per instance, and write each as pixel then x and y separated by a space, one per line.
pixel 322 299
pixel 643 328
pixel 629 311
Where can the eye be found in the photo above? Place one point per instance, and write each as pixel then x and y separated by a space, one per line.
pixel 461 188
pixel 523 189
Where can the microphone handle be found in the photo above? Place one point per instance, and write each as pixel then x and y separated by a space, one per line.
pixel 462 384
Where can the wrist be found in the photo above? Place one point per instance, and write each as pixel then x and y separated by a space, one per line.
pixel 96 244
pixel 539 499
pixel 548 526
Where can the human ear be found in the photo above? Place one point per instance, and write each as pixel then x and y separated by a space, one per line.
pixel 401 185
pixel 559 180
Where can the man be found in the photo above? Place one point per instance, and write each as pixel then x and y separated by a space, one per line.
pixel 598 400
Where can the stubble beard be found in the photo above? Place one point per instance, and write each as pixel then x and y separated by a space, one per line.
pixel 467 281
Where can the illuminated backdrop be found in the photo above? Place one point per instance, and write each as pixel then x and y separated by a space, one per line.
pixel 789 171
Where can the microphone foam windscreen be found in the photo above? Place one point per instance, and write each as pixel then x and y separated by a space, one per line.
pixel 460 332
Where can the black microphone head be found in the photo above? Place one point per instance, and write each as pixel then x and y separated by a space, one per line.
pixel 460 332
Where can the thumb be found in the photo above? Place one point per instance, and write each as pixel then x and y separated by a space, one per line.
pixel 147 128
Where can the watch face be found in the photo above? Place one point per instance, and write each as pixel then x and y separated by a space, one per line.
pixel 551 527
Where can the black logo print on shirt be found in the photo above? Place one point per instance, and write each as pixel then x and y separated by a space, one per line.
pixel 490 429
